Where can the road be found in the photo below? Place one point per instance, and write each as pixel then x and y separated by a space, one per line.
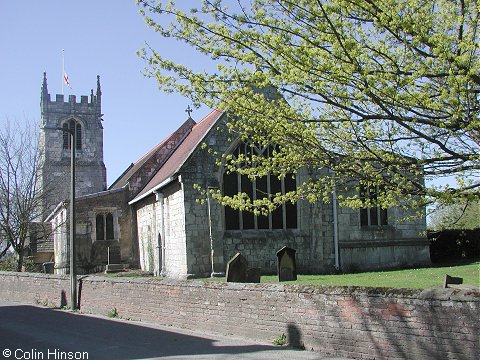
pixel 37 333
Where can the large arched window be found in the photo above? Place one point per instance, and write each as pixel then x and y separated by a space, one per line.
pixel 67 139
pixel 283 217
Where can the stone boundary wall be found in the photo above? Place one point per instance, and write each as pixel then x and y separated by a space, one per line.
pixel 367 323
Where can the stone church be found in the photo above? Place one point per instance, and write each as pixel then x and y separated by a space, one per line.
pixel 150 218
pixel 85 118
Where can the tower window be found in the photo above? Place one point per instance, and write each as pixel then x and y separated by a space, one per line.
pixel 69 127
pixel 283 217
pixel 78 136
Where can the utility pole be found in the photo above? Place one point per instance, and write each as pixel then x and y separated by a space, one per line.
pixel 73 274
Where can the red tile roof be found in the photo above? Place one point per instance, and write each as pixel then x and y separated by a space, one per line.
pixel 180 155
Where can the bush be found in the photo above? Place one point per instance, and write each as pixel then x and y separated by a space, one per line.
pixel 9 263
pixel 454 245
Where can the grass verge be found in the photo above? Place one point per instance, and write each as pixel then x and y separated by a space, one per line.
pixel 421 278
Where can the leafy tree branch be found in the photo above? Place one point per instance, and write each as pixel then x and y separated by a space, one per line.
pixel 386 93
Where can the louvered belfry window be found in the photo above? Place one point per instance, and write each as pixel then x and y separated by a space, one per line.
pixel 67 139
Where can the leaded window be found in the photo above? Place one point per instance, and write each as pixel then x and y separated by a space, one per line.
pixel 375 215
pixel 283 217
pixel 104 227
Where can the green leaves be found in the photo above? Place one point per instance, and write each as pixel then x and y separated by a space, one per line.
pixel 381 92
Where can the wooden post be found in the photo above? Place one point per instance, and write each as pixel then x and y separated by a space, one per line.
pixel 452 280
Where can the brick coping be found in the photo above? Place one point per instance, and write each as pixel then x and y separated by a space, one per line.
pixel 435 293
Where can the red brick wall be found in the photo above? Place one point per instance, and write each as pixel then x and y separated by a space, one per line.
pixel 29 288
pixel 346 321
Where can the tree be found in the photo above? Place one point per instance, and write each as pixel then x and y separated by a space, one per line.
pixel 384 94
pixel 456 216
pixel 20 199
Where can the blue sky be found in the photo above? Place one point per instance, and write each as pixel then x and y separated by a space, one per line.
pixel 98 38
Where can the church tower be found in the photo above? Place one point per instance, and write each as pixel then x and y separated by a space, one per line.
pixel 85 118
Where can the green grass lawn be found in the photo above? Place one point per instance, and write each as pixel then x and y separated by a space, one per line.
pixel 411 278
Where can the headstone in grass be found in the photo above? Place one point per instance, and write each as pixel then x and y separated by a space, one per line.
pixel 286 265
pixel 237 269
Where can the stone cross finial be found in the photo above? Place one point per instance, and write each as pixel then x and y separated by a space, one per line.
pixel 189 110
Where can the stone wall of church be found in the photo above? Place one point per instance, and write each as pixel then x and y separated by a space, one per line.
pixel 147 240
pixel 200 169
pixel 175 236
pixel 400 243
pixel 312 240
pixel 60 241
pixel 97 247
pixel 194 227
pixel 163 215
pixel 94 249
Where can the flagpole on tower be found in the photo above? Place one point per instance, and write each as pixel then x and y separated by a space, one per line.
pixel 63 68
pixel 65 80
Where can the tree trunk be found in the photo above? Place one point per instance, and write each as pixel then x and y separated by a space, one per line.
pixel 20 261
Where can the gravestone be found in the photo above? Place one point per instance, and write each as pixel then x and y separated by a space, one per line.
pixel 237 269
pixel 286 265
pixel 114 260
pixel 48 267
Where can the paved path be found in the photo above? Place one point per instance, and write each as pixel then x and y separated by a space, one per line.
pixel 30 332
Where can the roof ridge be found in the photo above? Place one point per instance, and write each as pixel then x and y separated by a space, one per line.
pixel 134 168
pixel 168 155
pixel 182 153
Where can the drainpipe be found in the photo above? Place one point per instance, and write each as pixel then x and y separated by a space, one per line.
pixel 159 197
pixel 212 274
pixel 210 231
pixel 154 237
pixel 335 228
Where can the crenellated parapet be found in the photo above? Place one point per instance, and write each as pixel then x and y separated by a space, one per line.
pixel 88 105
